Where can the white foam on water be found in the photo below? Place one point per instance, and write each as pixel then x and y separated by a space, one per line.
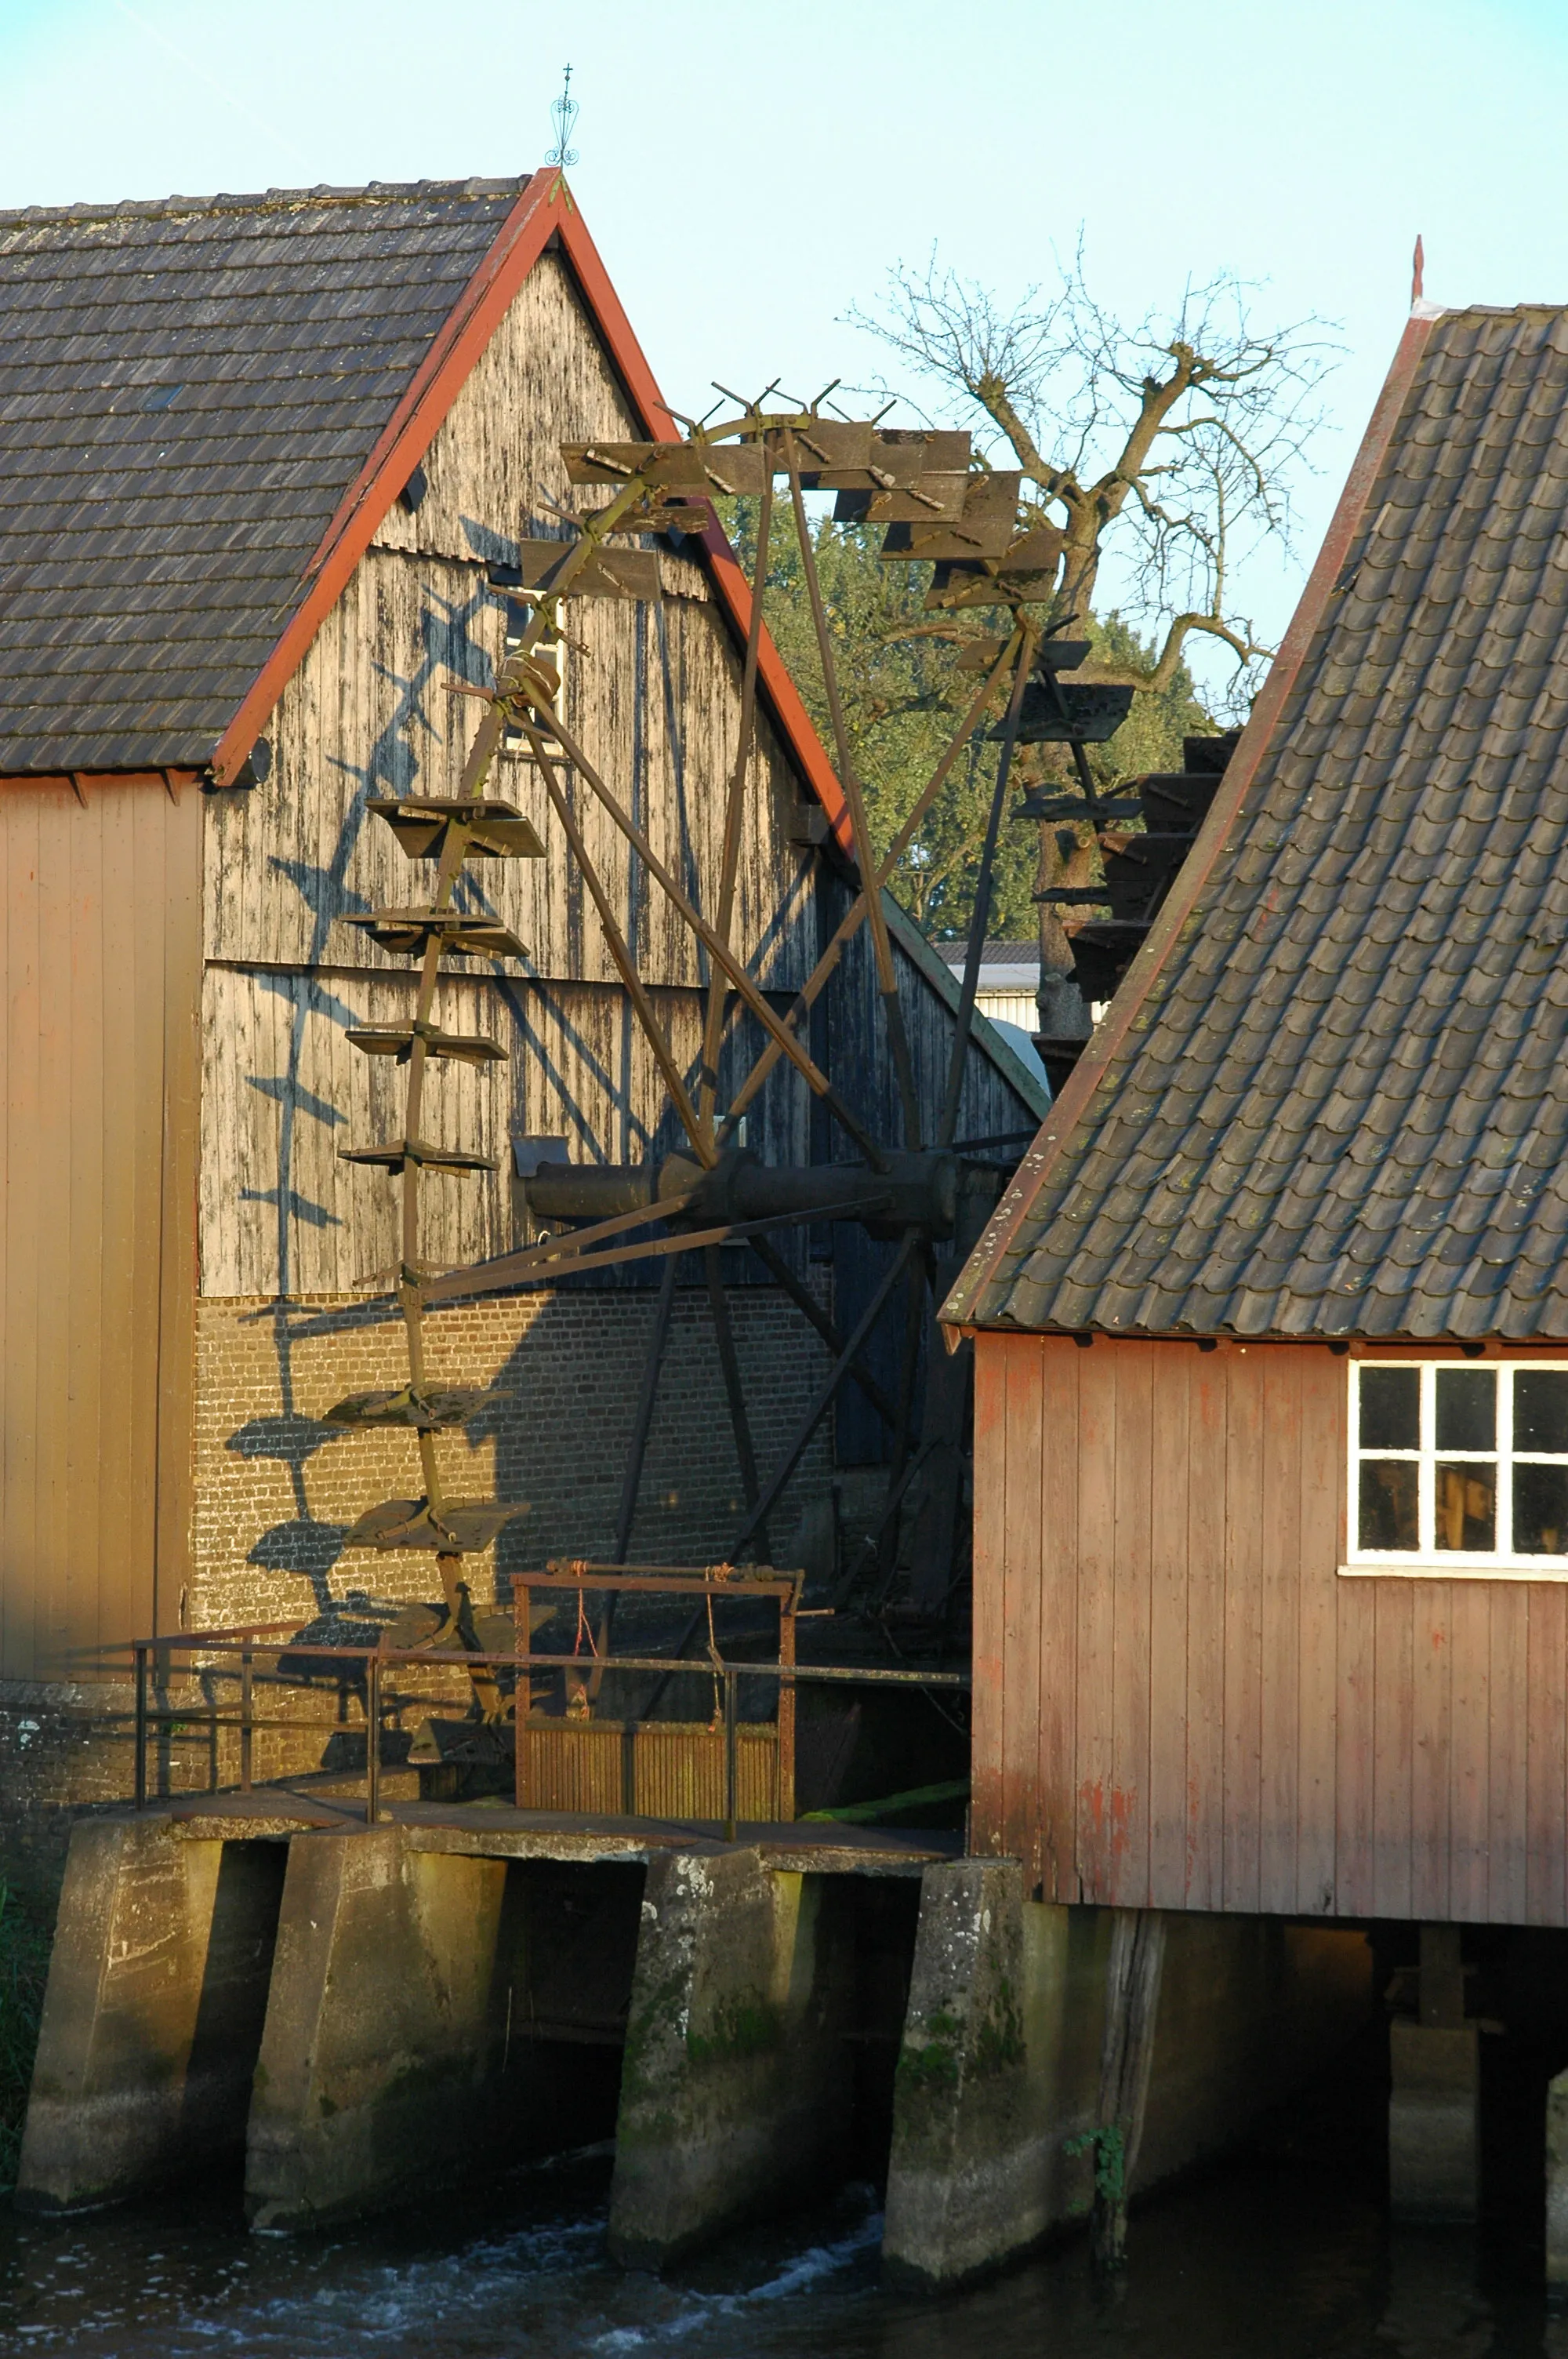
pixel 798 2276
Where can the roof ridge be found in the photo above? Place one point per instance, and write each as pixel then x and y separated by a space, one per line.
pixel 263 201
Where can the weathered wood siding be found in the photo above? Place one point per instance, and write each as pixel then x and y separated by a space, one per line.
pixel 100 947
pixel 653 690
pixel 1180 1704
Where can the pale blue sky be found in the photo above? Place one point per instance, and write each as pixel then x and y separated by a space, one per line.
pixel 750 171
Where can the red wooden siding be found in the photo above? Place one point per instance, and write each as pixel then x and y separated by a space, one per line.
pixel 1180 1704
pixel 100 952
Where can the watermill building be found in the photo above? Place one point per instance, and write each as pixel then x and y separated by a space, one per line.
pixel 273 464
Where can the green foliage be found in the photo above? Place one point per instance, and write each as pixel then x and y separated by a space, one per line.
pixel 902 694
pixel 24 1965
pixel 1109 2150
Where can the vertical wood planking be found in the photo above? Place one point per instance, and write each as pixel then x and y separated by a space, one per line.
pixel 991 1667
pixel 1022 1543
pixel 161 1583
pixel 1391 1748
pixel 150 922
pixel 87 1122
pixel 1431 1669
pixel 1096 1706
pixel 1279 1717
pixel 125 1080
pixel 1170 1572
pixel 1243 1624
pixel 1470 1760
pixel 1057 1668
pixel 1546 1796
pixel 1355 1737
pixel 83 1307
pixel 14 1609
pixel 1209 1386
pixel 1321 1524
pixel 23 1215
pixel 54 1294
pixel 1135 1511
pixel 1508 1766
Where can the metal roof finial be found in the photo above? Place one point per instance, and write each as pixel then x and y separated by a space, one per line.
pixel 1418 263
pixel 564 114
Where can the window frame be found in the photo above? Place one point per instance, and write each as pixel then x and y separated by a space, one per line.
pixel 1428 1561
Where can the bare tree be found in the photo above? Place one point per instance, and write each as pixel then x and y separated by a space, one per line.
pixel 1180 436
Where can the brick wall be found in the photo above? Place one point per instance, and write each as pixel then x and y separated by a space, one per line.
pixel 276 1489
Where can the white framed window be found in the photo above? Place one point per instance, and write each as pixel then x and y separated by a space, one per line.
pixel 1459 1467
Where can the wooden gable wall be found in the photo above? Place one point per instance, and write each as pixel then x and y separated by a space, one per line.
pixel 653 690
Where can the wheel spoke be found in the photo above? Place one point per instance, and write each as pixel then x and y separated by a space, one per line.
pixel 724 1336
pixel 887 974
pixel 615 942
pixel 824 1396
pixel 854 916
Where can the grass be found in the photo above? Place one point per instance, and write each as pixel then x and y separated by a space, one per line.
pixel 24 1963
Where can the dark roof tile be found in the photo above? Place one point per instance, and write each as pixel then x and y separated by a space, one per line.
pixel 1342 1117
pixel 291 323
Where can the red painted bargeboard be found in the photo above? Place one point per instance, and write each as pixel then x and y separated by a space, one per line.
pixel 1180 1703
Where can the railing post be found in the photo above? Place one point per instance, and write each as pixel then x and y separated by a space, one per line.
pixel 373 1740
pixel 245 1691
pixel 731 1780
pixel 141 1653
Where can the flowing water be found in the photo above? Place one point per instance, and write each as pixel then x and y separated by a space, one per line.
pixel 1285 2254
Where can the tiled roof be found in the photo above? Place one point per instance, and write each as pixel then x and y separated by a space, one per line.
pixel 1334 1101
pixel 187 390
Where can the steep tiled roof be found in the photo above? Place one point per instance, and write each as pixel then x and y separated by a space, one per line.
pixel 187 390
pixel 1331 1097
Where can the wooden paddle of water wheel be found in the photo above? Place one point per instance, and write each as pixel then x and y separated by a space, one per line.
pixel 923 1190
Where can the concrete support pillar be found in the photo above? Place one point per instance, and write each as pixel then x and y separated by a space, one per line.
pixel 1433 2128
pixel 1557 2183
pixel 1434 2096
pixel 1000 2097
pixel 157 1990
pixel 385 2027
pixel 734 2092
pixel 969 2183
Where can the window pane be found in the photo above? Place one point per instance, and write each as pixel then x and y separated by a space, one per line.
pixel 1468 1409
pixel 1466 1506
pixel 1388 1517
pixel 1390 1411
pixel 1540 1510
pixel 1541 1408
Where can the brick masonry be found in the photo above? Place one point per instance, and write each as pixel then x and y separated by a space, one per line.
pixel 276 1491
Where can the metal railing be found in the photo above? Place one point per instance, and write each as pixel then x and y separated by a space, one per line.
pixel 374 1660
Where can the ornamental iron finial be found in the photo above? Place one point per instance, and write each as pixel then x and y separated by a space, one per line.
pixel 564 114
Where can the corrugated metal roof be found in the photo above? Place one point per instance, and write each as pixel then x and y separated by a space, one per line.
pixel 1328 1108
pixel 187 390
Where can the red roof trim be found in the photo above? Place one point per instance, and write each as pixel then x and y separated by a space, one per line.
pixel 545 209
pixel 1071 1108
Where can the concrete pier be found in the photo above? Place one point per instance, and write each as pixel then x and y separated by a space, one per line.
pixel 734 2092
pixel 999 2077
pixel 157 1990
pixel 381 2059
pixel 1434 2121
pixel 1434 2092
